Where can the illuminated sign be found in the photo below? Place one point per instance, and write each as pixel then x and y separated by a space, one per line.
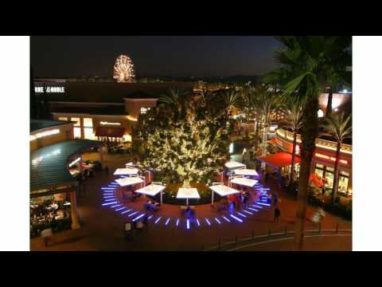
pixel 44 134
pixel 330 158
pixel 110 124
pixel 50 89
pixel 74 162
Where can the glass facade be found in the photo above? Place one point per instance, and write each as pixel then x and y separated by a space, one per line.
pixel 77 132
pixel 328 173
pixel 88 129
pixel 77 121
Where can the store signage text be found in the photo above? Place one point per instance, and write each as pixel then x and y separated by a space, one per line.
pixel 49 89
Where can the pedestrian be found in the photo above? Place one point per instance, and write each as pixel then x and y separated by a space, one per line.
pixel 277 214
pixel 146 219
pixel 266 177
pixel 275 199
pixel 245 200
pixel 45 235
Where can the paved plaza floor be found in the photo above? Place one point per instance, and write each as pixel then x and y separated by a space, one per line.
pixel 102 229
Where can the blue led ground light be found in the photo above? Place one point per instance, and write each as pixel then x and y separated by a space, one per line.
pixel 110 200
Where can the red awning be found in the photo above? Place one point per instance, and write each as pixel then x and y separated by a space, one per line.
pixel 280 159
pixel 116 132
pixel 273 141
pixel 316 180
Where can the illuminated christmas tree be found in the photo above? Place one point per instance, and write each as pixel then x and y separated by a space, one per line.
pixel 183 141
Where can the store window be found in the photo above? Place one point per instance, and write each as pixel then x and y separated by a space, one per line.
pixel 343 183
pixel 89 134
pixel 77 132
pixel 77 121
pixel 319 170
pixel 329 175
pixel 88 122
pixel 65 119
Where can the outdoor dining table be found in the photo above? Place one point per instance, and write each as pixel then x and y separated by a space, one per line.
pixel 152 190
pixel 126 171
pixel 244 181
pixel 222 190
pixel 187 192
pixel 126 181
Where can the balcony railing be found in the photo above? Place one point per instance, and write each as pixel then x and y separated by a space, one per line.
pixel 320 143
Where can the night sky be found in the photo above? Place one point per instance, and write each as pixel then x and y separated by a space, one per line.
pixel 200 56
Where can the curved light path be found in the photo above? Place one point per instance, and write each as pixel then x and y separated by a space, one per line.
pixel 110 200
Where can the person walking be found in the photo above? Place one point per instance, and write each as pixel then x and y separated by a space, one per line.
pixel 46 234
pixel 275 199
pixel 266 177
pixel 277 214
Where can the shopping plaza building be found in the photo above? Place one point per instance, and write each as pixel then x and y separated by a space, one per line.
pixel 110 111
pixel 102 110
pixel 322 169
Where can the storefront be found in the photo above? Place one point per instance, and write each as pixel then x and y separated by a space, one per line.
pixel 54 186
pixel 323 161
pixel 326 173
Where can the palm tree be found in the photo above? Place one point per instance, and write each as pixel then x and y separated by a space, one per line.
pixel 293 121
pixel 231 99
pixel 266 100
pixel 306 63
pixel 337 126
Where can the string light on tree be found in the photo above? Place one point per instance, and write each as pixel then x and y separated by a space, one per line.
pixel 124 70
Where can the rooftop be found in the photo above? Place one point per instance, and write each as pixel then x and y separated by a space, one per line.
pixel 100 110
pixel 48 165
pixel 42 124
pixel 114 92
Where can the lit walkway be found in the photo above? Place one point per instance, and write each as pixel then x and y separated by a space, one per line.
pixel 102 228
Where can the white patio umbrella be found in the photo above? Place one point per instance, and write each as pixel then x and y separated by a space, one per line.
pixel 245 172
pixel 244 181
pixel 187 192
pixel 234 165
pixel 222 190
pixel 152 190
pixel 126 181
pixel 126 171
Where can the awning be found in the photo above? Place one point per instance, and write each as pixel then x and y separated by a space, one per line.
pixel 49 165
pixel 116 132
pixel 316 180
pixel 279 159
pixel 273 141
